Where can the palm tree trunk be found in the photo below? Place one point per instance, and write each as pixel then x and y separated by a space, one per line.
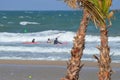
pixel 74 65
pixel 105 70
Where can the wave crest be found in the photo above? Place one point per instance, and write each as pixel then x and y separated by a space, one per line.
pixel 65 36
pixel 27 22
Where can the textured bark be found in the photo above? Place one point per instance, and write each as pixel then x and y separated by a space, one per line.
pixel 74 65
pixel 104 61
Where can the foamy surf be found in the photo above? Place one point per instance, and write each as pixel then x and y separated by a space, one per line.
pixel 52 34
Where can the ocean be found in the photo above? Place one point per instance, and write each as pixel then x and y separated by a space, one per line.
pixel 18 27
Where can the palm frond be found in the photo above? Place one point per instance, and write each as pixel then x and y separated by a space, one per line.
pixel 97 15
pixel 98 9
pixel 71 3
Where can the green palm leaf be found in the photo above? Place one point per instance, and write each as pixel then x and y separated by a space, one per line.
pixel 98 9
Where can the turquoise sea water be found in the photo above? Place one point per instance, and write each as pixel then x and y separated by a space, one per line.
pixel 17 27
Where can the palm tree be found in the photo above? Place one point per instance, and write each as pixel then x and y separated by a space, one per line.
pixel 74 64
pixel 104 60
pixel 94 12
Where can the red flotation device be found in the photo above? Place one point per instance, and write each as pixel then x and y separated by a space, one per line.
pixel 31 42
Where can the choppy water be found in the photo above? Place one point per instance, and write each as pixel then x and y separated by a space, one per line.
pixel 17 27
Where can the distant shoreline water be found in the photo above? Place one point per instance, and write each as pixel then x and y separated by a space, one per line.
pixel 17 27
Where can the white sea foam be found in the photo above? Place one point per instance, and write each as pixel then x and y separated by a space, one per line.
pixel 24 17
pixel 52 49
pixel 27 22
pixel 49 58
pixel 5 17
pixel 39 36
pixel 29 58
pixel 34 49
pixel 52 34
pixel 12 43
pixel 21 17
